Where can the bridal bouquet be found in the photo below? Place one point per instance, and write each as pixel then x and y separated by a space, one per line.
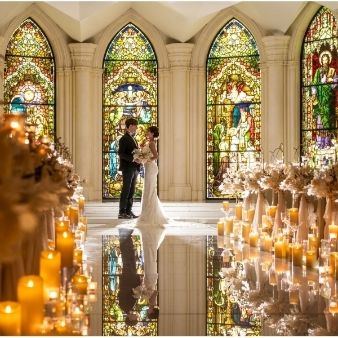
pixel 142 154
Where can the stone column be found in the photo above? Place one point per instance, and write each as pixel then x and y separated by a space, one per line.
pixel 179 126
pixel 2 66
pixel 84 115
pixel 273 93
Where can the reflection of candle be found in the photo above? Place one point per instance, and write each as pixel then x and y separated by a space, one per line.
pixel 220 242
pixel 293 214
pixel 251 214
pixel 238 211
pixel 313 242
pixel 10 319
pixel 65 244
pixel 30 296
pixel 311 258
pixel 333 307
pixel 281 265
pixel 66 212
pixel 225 205
pixel 267 243
pixel 294 295
pixel 229 226
pixel 253 237
pixel 272 211
pixel 220 228
pixel 78 256
pixel 50 264
pixel 297 254
pixel 80 284
pixel 246 232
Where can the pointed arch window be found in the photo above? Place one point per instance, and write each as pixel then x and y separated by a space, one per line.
pixel 29 78
pixel 129 90
pixel 319 105
pixel 233 104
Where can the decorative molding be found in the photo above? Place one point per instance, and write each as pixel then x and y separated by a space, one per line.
pixel 276 48
pixel 179 54
pixel 82 54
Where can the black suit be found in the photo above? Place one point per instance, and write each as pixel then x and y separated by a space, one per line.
pixel 130 171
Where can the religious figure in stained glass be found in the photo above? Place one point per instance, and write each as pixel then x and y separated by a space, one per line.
pixel 233 104
pixel 319 90
pixel 130 90
pixel 29 77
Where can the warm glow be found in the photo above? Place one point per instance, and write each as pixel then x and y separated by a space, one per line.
pixel 8 309
pixel 50 255
pixel 30 284
pixel 14 124
pixel 53 294
pixel 65 234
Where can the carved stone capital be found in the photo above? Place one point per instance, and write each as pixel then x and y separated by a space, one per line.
pixel 180 54
pixel 82 54
pixel 276 47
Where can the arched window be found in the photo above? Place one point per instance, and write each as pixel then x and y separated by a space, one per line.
pixel 319 106
pixel 233 104
pixel 29 78
pixel 129 90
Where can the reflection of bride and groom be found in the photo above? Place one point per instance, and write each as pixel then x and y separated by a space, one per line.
pixel 150 223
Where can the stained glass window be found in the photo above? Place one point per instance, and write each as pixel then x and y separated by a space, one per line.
pixel 233 104
pixel 29 78
pixel 319 90
pixel 129 90
pixel 113 316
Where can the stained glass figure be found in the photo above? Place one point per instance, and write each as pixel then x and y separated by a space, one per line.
pixel 319 90
pixel 113 316
pixel 233 104
pixel 29 78
pixel 129 90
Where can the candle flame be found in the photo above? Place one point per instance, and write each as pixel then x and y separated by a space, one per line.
pixel 50 255
pixel 14 124
pixel 8 309
pixel 65 234
pixel 30 283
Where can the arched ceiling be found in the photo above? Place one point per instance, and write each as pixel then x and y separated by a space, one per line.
pixel 179 20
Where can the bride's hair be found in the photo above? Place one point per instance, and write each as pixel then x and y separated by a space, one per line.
pixel 154 130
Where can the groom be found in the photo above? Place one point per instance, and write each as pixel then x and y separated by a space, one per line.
pixel 130 169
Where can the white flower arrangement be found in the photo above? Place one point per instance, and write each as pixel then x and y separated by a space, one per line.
pixel 324 182
pixel 274 176
pixel 142 154
pixel 233 183
pixel 252 179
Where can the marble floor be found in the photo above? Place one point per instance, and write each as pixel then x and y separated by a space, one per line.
pixel 181 266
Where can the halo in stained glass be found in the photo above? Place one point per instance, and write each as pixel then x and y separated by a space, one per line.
pixel 29 74
pixel 129 90
pixel 233 104
pixel 319 129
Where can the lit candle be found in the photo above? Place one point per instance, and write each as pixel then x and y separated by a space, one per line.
pixel 251 214
pixel 50 265
pixel 65 244
pixel 313 242
pixel 81 205
pixel 333 229
pixel 297 254
pixel 333 306
pixel 73 215
pixel 280 251
pixel 61 226
pixel 80 284
pixel 253 238
pixel 246 232
pixel 225 205
pixel 30 297
pixel 311 259
pixel 220 228
pixel 267 246
pixel 229 226
pixel 293 214
pixel 10 319
pixel 78 256
pixel 238 211
pixel 272 211
pixel 66 212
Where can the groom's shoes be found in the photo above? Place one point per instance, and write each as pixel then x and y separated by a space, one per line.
pixel 131 214
pixel 124 216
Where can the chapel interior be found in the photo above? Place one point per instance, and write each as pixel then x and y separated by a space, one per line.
pixel 245 95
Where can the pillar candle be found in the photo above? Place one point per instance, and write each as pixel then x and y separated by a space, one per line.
pixel 81 204
pixel 50 266
pixel 73 215
pixel 225 205
pixel 78 256
pixel 80 284
pixel 313 242
pixel 238 211
pixel 229 226
pixel 272 211
pixel 84 221
pixel 246 232
pixel 267 246
pixel 61 225
pixel 297 254
pixel 253 238
pixel 251 214
pixel 280 248
pixel 333 229
pixel 10 319
pixel 66 212
pixel 311 258
pixel 30 297
pixel 65 244
pixel 293 214
pixel 220 228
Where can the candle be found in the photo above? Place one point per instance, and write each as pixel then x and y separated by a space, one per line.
pixel 313 242
pixel 293 214
pixel 81 205
pixel 267 243
pixel 253 238
pixel 73 215
pixel 246 232
pixel 229 226
pixel 251 214
pixel 61 226
pixel 333 229
pixel 238 211
pixel 220 228
pixel 225 205
pixel 10 319
pixel 272 211
pixel 50 265
pixel 30 297
pixel 66 212
pixel 311 258
pixel 80 284
pixel 281 265
pixel 280 248
pixel 333 306
pixel 297 254
pixel 65 244
pixel 78 256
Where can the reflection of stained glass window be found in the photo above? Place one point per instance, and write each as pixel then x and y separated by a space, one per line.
pixel 227 312
pixel 29 75
pixel 129 90
pixel 113 317
pixel 319 90
pixel 233 104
